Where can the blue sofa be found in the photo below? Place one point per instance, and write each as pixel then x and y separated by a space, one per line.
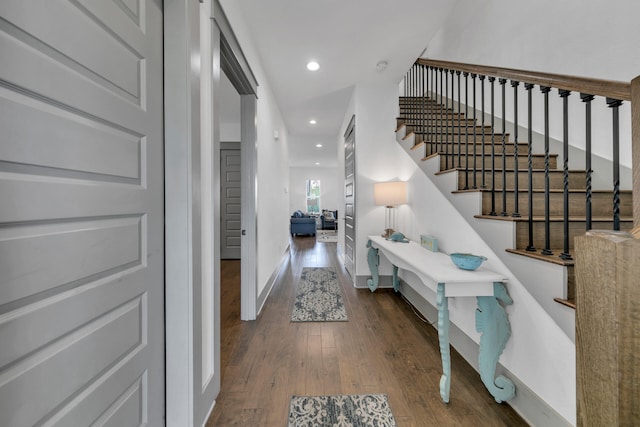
pixel 302 224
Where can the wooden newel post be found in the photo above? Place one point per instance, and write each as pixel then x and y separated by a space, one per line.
pixel 635 151
pixel 608 329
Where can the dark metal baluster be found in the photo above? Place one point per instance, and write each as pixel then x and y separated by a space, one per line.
pixel 564 94
pixel 407 101
pixel 475 127
pixel 528 87
pixel 586 98
pixel 453 151
pixel 504 149
pixel 459 124
pixel 516 184
pixel 422 104
pixel 434 135
pixel 432 118
pixel 466 130
pixel 615 105
pixel 405 111
pixel 439 130
pixel 547 236
pixel 406 84
pixel 483 130
pixel 407 105
pixel 414 103
pixel 493 148
pixel 446 120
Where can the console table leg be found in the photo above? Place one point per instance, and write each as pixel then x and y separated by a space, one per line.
pixel 396 281
pixel 443 336
pixel 373 259
pixel 493 323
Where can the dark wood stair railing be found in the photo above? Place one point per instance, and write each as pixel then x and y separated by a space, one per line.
pixel 544 201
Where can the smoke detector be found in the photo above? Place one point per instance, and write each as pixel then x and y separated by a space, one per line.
pixel 381 66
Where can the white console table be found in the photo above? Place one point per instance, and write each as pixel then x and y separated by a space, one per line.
pixel 438 273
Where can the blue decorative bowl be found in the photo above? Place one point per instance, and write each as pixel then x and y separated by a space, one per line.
pixel 467 261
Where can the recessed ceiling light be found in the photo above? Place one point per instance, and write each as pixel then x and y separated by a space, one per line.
pixel 313 66
pixel 317 163
pixel 313 121
pixel 319 145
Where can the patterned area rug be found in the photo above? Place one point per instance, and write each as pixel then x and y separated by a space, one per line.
pixel 364 410
pixel 318 297
pixel 327 236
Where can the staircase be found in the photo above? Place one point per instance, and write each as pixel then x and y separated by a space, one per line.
pixel 469 156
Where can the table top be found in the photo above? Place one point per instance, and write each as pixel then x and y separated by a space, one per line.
pixel 435 265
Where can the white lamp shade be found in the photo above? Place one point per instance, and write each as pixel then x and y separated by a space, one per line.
pixel 390 193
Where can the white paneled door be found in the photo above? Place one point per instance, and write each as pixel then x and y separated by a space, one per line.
pixel 81 213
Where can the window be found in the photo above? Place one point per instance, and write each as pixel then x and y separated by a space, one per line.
pixel 313 195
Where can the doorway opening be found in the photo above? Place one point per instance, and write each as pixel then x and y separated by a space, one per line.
pixel 233 67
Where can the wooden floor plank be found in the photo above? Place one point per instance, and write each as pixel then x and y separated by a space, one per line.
pixel 383 348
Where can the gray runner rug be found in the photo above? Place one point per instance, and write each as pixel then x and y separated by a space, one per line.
pixel 318 297
pixel 363 410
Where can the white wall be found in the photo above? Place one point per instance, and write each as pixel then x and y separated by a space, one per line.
pixel 330 196
pixel 230 132
pixel 594 38
pixel 378 158
pixel 273 159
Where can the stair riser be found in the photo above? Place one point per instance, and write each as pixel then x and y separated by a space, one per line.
pixel 601 204
pixel 537 161
pixel 556 180
pixel 556 232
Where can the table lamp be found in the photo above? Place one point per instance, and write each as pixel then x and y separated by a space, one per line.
pixel 390 195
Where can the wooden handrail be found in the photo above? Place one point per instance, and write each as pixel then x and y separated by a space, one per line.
pixel 608 88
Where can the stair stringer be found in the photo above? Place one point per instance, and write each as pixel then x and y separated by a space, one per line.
pixel 543 280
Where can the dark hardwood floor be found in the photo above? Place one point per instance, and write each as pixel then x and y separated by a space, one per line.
pixel 383 348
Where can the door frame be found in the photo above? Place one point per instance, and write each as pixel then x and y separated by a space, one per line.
pixel 192 263
pixel 236 67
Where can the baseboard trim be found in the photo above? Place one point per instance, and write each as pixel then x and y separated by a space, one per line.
pixel 526 403
pixel 384 282
pixel 262 298
pixel 213 405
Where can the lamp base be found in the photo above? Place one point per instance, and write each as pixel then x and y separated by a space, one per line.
pixel 388 232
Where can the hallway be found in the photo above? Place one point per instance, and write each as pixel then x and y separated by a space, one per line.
pixel 383 348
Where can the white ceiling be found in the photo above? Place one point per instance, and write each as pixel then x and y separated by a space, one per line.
pixel 348 38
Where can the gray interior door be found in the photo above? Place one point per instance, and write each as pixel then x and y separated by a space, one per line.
pixel 350 197
pixel 230 206
pixel 81 213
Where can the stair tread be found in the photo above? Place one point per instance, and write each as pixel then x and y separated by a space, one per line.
pixel 487 143
pixel 559 171
pixel 522 155
pixel 541 190
pixel 537 254
pixel 571 303
pixel 538 218
pixel 498 143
